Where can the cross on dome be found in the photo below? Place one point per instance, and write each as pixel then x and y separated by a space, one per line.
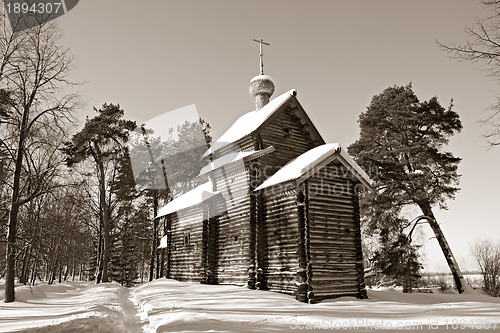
pixel 261 41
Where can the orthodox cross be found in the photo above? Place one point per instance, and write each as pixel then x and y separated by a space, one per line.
pixel 260 41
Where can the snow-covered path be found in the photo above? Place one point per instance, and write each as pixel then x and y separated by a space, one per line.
pixel 131 319
pixel 172 306
pixel 71 307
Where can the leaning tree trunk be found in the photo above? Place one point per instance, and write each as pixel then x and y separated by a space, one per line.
pixel 460 282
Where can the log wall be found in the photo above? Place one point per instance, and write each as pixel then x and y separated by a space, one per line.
pixel 287 135
pixel 280 222
pixel 196 259
pixel 184 262
pixel 335 248
pixel 246 143
pixel 233 241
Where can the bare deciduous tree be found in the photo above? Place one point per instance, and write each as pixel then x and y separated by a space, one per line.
pixel 487 256
pixel 483 45
pixel 33 73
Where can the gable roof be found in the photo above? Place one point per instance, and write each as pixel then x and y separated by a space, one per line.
pixel 252 121
pixel 191 198
pixel 306 164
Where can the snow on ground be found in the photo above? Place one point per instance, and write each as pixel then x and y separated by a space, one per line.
pixel 70 307
pixel 171 306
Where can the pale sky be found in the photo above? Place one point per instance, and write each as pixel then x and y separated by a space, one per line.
pixel 152 57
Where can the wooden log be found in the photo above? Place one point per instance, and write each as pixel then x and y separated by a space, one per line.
pixel 359 263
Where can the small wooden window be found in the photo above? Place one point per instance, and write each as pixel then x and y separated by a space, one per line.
pixel 186 239
pixel 235 238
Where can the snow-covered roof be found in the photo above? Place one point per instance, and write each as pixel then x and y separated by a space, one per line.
pixel 309 160
pixel 234 157
pixel 249 122
pixel 226 159
pixel 193 197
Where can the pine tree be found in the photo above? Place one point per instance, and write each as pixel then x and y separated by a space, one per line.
pixel 401 141
pixel 399 259
pixel 102 140
pixel 167 167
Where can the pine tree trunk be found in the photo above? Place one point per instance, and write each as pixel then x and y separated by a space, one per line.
pixel 24 268
pixel 162 263
pixel 33 272
pixel 142 268
pixel 98 268
pixel 157 253
pixel 155 236
pixel 73 272
pixel 27 272
pixel 105 215
pixel 46 270
pixel 460 282
pixel 105 254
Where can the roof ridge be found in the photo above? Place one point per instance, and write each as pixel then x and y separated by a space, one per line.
pixel 249 122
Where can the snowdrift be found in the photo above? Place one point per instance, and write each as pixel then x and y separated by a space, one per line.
pixel 171 306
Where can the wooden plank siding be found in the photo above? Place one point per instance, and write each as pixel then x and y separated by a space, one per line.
pixel 281 262
pixel 233 242
pixel 289 139
pixel 192 242
pixel 184 263
pixel 246 143
pixel 335 246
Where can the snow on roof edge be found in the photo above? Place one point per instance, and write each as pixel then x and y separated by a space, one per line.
pixel 349 160
pixel 310 159
pixel 300 165
pixel 191 198
pixel 232 158
pixel 256 116
pixel 224 160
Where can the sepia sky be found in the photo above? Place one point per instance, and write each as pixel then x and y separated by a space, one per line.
pixel 152 57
